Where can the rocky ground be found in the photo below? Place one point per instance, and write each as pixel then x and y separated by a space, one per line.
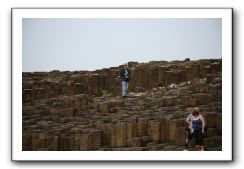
pixel 150 118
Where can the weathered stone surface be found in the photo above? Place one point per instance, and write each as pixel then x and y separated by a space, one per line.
pixel 144 141
pixel 180 132
pixel 142 127
pixel 113 135
pixel 86 142
pixel 136 142
pixel 27 110
pixel 139 148
pixel 68 112
pixel 106 133
pixel 52 143
pixel 27 95
pixel 96 139
pixel 212 120
pixel 172 130
pixel 202 98
pixel 211 132
pixel 83 110
pixel 66 143
pixel 213 141
pixel 154 128
pixel 131 132
pixel 164 130
pixel 121 134
pixel 26 139
pixel 38 143
pixel 180 141
pixel 157 147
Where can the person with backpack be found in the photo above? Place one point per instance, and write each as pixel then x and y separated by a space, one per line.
pixel 125 76
pixel 196 127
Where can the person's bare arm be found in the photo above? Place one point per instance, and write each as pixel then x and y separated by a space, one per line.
pixel 188 122
pixel 203 123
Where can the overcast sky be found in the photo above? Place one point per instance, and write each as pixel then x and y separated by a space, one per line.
pixel 90 44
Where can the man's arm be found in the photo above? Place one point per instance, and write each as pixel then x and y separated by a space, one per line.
pixel 121 73
pixel 188 120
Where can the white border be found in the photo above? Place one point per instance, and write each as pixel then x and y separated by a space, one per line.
pixel 224 155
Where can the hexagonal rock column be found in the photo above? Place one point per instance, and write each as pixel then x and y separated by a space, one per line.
pixel 131 131
pixel 96 139
pixel 142 127
pixel 121 134
pixel 86 142
pixel 113 135
pixel 164 130
pixel 106 133
pixel 154 130
pixel 27 94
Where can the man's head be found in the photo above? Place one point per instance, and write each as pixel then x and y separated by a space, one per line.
pixel 125 65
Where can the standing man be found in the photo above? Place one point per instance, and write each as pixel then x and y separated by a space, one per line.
pixel 125 76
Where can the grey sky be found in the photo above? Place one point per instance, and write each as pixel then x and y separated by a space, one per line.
pixel 89 44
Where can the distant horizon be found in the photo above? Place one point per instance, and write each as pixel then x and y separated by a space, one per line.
pixel 122 64
pixel 94 43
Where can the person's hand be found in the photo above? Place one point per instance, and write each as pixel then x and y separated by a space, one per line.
pixel 191 126
pixel 202 131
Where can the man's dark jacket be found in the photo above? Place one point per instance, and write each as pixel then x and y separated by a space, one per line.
pixel 123 75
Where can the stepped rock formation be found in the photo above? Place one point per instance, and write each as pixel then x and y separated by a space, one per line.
pixel 83 110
